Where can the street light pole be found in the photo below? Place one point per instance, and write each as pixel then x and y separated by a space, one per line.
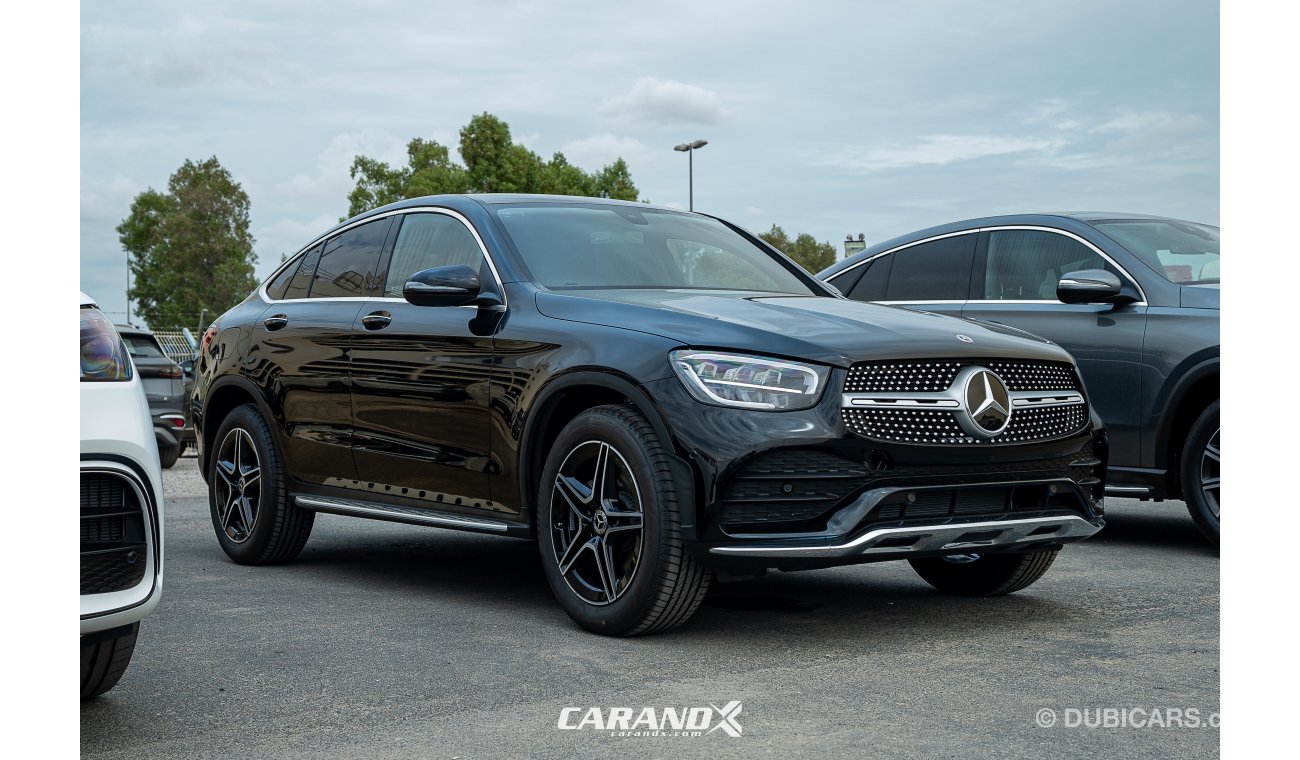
pixel 689 149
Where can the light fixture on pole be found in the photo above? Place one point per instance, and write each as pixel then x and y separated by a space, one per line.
pixel 689 149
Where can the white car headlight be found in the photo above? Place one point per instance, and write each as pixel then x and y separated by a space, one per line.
pixel 749 382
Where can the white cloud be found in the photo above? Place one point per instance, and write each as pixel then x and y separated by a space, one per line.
pixel 330 178
pixel 939 150
pixel 753 211
pixel 591 153
pixel 659 101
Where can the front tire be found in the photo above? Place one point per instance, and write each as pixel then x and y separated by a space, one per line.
pixel 1199 472
pixel 104 657
pixel 609 528
pixel 984 574
pixel 255 521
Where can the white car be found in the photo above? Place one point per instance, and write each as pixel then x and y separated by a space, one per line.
pixel 121 505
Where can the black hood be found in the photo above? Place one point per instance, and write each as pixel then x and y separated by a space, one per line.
pixel 828 330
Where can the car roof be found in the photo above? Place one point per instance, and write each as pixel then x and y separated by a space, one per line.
pixel 1062 219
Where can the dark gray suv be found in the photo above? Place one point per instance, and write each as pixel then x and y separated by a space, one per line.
pixel 1134 298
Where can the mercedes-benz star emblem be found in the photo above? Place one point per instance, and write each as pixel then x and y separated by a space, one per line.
pixel 965 338
pixel 986 404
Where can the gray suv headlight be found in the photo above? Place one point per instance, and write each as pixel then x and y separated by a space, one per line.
pixel 749 382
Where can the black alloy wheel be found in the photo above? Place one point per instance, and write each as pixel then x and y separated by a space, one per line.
pixel 609 527
pixel 597 522
pixel 253 513
pixel 239 486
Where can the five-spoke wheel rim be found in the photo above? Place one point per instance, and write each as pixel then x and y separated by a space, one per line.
pixel 1210 473
pixel 239 485
pixel 597 522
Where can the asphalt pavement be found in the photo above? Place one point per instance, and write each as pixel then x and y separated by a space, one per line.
pixel 393 641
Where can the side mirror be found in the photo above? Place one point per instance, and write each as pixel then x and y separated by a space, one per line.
pixel 455 285
pixel 1092 286
pixel 187 367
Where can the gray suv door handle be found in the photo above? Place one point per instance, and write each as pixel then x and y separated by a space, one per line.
pixel 276 322
pixel 377 320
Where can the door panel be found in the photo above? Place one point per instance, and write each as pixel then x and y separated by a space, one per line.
pixel 1016 286
pixel 420 403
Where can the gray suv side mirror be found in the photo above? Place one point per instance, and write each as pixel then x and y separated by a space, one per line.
pixel 1092 286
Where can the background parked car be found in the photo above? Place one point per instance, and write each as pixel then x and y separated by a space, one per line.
pixel 121 505
pixel 1134 298
pixel 164 386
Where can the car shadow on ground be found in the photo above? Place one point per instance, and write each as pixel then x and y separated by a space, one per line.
pixel 886 599
pixel 1161 525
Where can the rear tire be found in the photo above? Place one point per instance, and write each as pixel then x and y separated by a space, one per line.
pixel 255 520
pixel 167 455
pixel 104 659
pixel 986 574
pixel 609 528
pixel 1199 472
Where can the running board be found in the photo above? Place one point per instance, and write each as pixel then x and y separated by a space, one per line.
pixel 1127 490
pixel 398 514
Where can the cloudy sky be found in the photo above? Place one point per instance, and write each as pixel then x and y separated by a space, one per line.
pixel 822 117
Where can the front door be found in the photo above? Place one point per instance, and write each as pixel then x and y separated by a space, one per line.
pixel 1020 269
pixel 420 378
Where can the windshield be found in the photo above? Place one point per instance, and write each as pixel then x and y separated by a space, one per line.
pixel 1183 252
pixel 598 246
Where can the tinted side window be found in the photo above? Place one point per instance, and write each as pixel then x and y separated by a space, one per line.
pixel 1027 264
pixel 301 282
pixel 934 271
pixel 276 287
pixel 348 265
pixel 872 285
pixel 426 241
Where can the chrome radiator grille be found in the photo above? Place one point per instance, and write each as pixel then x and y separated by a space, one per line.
pixel 957 402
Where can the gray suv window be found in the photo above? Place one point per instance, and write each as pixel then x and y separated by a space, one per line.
pixel 1025 265
pixel 935 271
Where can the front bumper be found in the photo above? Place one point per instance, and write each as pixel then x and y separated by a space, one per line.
pixel 798 489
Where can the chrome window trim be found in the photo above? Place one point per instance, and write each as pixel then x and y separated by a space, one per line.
pixel 261 290
pixel 1142 300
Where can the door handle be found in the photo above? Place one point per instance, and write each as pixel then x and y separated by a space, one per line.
pixel 377 320
pixel 276 322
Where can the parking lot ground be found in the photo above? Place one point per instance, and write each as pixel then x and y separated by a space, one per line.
pixel 392 641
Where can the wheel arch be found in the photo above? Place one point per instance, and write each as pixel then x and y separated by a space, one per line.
pixel 1195 391
pixel 567 396
pixel 224 396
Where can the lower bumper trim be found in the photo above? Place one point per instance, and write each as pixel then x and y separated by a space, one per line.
pixel 959 536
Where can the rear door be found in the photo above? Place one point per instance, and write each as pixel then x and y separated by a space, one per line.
pixel 420 375
pixel 300 352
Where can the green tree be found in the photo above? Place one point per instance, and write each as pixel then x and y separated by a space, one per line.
pixel 190 248
pixel 494 163
pixel 804 249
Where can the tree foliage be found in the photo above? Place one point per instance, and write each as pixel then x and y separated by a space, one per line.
pixel 190 248
pixel 494 163
pixel 804 249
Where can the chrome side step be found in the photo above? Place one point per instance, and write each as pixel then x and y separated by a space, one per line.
pixel 398 514
pixel 965 536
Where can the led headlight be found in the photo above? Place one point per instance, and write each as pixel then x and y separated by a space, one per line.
pixel 750 382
